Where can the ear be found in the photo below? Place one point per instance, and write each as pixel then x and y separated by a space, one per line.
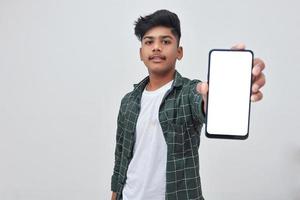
pixel 141 54
pixel 179 53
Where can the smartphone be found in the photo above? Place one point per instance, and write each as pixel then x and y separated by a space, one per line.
pixel 229 91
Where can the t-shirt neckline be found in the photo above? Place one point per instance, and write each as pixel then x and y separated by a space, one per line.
pixel 159 90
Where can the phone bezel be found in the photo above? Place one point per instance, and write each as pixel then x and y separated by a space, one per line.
pixel 228 136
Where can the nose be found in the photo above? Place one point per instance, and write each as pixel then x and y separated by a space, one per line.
pixel 156 47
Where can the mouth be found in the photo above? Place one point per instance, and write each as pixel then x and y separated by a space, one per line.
pixel 157 58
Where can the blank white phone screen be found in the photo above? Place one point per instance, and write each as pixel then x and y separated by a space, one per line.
pixel 229 92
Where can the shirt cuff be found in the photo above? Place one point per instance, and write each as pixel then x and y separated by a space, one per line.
pixel 114 183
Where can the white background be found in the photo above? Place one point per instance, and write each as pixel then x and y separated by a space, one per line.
pixel 65 65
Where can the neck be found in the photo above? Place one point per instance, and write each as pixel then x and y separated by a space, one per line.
pixel 156 81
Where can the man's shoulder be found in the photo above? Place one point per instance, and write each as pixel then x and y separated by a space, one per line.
pixel 126 97
pixel 129 97
pixel 188 83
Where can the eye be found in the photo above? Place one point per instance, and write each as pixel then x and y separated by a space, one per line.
pixel 166 41
pixel 148 42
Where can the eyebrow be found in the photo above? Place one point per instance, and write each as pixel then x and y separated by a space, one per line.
pixel 162 37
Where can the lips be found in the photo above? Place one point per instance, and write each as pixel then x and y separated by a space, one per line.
pixel 157 58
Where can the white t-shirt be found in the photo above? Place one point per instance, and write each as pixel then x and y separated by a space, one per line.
pixel 146 175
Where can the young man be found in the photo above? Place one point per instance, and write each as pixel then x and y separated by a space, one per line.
pixel 159 122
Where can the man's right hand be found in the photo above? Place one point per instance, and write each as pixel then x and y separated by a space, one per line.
pixel 114 196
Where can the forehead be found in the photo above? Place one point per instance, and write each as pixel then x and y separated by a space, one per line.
pixel 159 31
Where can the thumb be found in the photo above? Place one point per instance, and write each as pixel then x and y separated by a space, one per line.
pixel 202 88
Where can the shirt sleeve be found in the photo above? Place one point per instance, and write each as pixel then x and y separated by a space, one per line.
pixel 118 151
pixel 196 102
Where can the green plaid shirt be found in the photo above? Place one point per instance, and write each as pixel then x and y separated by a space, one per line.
pixel 181 118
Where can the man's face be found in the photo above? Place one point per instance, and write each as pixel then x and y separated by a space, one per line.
pixel 159 50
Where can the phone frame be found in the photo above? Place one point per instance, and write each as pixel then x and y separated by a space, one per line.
pixel 226 136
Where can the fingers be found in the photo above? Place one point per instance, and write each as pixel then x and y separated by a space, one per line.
pixel 256 96
pixel 114 196
pixel 259 66
pixel 259 82
pixel 259 79
pixel 238 46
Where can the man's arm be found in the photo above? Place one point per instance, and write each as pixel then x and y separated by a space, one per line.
pixel 118 153
pixel 197 103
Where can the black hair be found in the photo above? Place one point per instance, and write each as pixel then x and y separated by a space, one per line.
pixel 158 18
